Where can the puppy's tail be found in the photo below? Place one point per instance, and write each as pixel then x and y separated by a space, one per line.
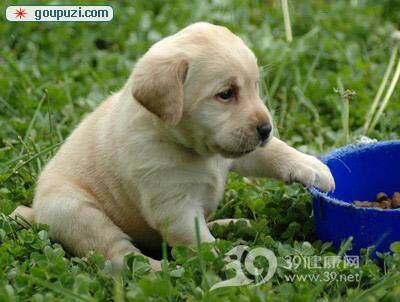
pixel 23 214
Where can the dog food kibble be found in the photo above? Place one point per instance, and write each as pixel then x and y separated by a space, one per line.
pixel 386 204
pixel 363 204
pixel 382 201
pixel 381 197
pixel 396 200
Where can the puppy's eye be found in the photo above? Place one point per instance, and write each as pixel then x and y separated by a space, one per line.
pixel 226 95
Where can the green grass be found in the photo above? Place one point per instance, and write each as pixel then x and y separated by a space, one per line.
pixel 52 74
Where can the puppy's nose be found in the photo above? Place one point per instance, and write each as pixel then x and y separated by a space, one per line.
pixel 264 131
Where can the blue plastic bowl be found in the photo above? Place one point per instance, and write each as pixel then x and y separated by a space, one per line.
pixel 360 172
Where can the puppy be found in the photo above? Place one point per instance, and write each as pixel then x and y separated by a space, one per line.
pixel 155 155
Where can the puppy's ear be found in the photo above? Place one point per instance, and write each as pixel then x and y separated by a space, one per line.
pixel 158 85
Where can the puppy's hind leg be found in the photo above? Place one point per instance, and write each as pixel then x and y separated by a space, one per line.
pixel 81 226
pixel 26 213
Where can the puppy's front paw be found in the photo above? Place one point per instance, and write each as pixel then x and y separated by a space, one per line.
pixel 310 172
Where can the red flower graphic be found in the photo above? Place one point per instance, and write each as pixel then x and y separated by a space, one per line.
pixel 20 13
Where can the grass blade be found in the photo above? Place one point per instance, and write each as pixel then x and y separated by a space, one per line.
pixel 286 19
pixel 381 88
pixel 387 96
pixel 61 290
pixel 35 115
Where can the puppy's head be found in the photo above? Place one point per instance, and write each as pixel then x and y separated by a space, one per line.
pixel 202 83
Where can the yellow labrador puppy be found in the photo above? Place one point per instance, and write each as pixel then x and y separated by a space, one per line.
pixel 156 154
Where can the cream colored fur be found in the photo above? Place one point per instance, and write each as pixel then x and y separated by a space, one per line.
pixel 156 154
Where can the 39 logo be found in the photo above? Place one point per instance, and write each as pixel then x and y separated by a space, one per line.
pixel 243 253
